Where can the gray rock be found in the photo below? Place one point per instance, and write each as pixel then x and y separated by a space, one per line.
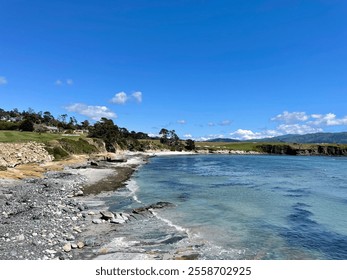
pixel 67 247
pixel 20 237
pixel 79 193
pixel 89 241
pixel 107 215
pixel 97 221
pixel 117 221
pixel 70 237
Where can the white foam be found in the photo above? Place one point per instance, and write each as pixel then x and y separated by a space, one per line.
pixel 133 187
pixel 169 223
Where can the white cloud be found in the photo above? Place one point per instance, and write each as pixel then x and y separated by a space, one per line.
pixel 327 120
pixel 138 96
pixel 208 137
pixel 3 80
pixel 292 123
pixel 288 117
pixel 187 136
pixel 244 134
pixel 182 121
pixel 153 135
pixel 93 112
pixel 69 82
pixel 120 98
pixel 222 123
pixel 225 123
pixel 298 129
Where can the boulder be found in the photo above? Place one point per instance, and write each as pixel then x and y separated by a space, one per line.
pixel 117 221
pixel 67 247
pixel 107 215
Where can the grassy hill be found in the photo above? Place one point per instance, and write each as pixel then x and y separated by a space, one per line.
pixel 11 136
pixel 58 145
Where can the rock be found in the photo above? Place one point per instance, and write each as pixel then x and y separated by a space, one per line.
pixel 140 210
pixel 117 221
pixel 20 237
pixel 93 163
pixel 70 237
pixel 97 221
pixel 125 216
pixel 80 245
pixel 79 193
pixel 107 215
pixel 3 168
pixel 67 247
pixel 81 207
pixel 74 246
pixel 158 205
pixel 161 204
pixel 77 229
pixel 52 252
pixel 89 241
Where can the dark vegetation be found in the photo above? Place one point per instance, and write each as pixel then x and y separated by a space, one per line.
pixel 32 126
pixel 276 148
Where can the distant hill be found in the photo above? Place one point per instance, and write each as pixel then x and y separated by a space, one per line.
pixel 314 138
pixel 226 140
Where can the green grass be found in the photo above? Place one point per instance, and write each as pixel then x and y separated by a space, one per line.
pixel 18 136
pixel 237 146
pixel 59 145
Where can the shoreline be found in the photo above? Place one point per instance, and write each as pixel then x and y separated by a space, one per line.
pixel 48 217
pixel 58 213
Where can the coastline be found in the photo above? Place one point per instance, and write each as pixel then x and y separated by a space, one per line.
pixel 58 211
pixel 45 214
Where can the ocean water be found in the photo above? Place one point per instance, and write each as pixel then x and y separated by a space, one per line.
pixel 236 207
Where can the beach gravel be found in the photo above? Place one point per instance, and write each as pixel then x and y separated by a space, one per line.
pixel 46 218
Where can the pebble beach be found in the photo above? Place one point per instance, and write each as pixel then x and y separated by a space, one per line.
pixel 57 216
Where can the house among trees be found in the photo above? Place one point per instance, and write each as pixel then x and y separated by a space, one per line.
pixel 52 129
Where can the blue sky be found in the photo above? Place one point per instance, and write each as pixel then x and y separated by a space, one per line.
pixel 236 69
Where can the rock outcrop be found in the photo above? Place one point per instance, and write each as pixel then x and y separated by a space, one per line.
pixel 319 150
pixel 12 154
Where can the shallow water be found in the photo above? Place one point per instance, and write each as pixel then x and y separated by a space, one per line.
pixel 237 207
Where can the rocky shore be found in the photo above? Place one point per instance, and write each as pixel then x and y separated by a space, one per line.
pixel 48 217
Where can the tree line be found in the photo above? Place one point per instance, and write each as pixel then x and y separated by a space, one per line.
pixel 105 129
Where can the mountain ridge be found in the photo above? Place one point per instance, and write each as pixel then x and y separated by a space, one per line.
pixel 310 138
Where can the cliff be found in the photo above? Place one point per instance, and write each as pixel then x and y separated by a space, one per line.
pixel 298 149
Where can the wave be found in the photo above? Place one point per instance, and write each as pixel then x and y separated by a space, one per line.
pixel 133 187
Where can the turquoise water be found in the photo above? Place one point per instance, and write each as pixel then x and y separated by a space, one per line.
pixel 241 207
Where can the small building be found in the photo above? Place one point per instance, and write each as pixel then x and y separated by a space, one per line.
pixel 52 129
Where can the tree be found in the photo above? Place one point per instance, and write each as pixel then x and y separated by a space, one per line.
pixel 85 124
pixel 106 130
pixel 174 139
pixel 26 125
pixel 164 136
pixel 47 118
pixel 170 138
pixel 63 118
pixel 190 145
